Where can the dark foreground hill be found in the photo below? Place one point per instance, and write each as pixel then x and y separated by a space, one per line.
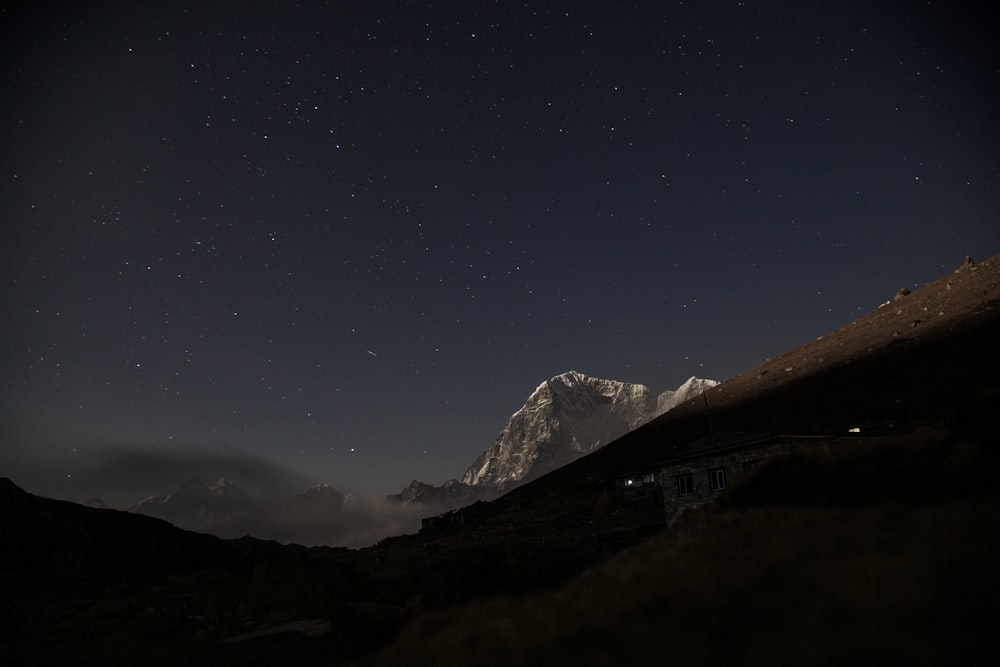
pixel 873 554
pixel 879 551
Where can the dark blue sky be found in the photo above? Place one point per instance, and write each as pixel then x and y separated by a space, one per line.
pixel 351 238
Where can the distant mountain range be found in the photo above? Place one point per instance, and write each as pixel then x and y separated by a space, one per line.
pixel 196 505
pixel 225 509
pixel 195 502
pixel 566 417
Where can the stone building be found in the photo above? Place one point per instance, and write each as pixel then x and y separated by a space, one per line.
pixel 639 488
pixel 455 517
pixel 702 470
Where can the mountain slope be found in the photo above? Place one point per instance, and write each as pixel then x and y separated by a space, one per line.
pixel 929 357
pixel 814 575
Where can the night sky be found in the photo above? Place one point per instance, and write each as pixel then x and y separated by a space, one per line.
pixel 348 239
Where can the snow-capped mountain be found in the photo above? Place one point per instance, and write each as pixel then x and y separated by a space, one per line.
pixel 692 387
pixel 196 505
pixel 319 515
pixel 449 495
pixel 566 417
pixel 319 497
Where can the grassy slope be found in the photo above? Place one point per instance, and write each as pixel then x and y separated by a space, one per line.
pixel 879 554
pixel 829 558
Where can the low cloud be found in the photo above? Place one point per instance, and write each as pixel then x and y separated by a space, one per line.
pixel 280 507
pixel 351 521
pixel 361 521
pixel 122 476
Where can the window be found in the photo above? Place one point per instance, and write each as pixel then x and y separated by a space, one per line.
pixel 748 466
pixel 717 479
pixel 685 484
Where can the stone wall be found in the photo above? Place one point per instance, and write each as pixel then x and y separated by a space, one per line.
pixel 639 489
pixel 692 481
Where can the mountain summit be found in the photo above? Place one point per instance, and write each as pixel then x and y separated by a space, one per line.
pixel 195 505
pixel 566 417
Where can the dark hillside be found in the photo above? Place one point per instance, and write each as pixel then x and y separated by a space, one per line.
pixel 871 554
pixel 895 512
pixel 79 579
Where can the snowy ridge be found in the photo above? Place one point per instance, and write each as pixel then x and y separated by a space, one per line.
pixel 566 417
pixel 193 501
pixel 692 387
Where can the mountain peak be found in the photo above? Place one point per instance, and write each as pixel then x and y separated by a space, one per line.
pixel 191 489
pixel 567 416
pixel 221 485
pixel 693 386
pixel 321 493
pixel 569 377
pixel 196 505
